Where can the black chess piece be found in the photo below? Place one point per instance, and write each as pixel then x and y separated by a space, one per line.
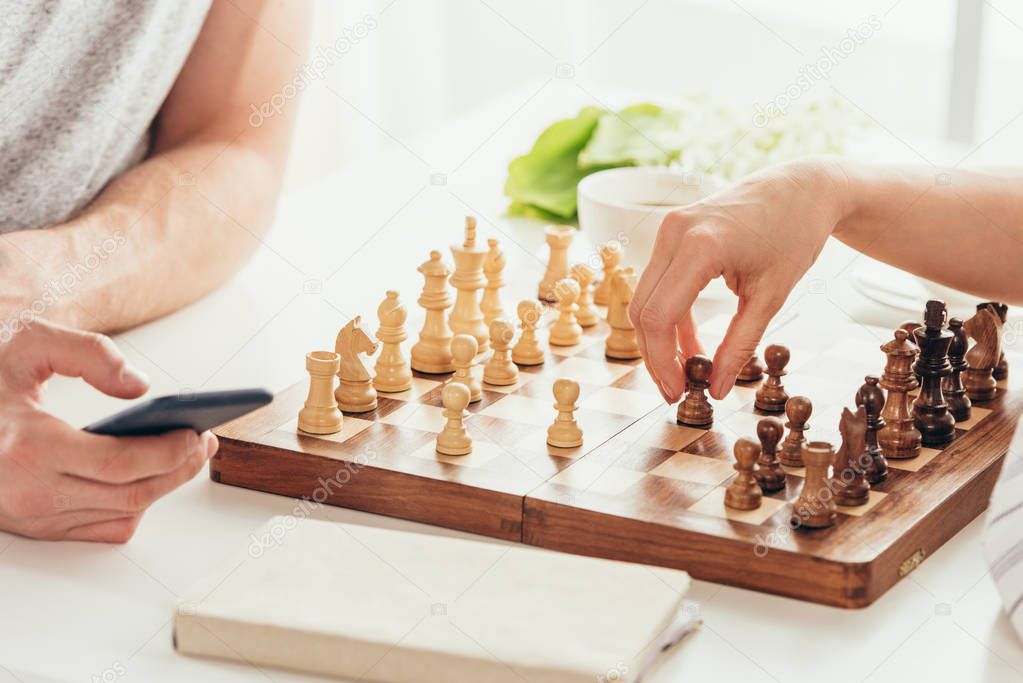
pixel 952 388
pixel 1001 371
pixel 798 410
pixel 751 372
pixel 769 474
pixel 872 460
pixel 848 483
pixel 771 395
pixel 695 409
pixel 930 412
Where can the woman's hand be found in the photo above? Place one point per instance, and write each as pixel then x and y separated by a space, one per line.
pixel 761 236
pixel 58 482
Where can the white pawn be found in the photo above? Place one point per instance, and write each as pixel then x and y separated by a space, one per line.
pixel 393 371
pixel 493 269
pixel 454 439
pixel 527 350
pixel 463 349
pixel 500 370
pixel 587 315
pixel 566 330
pixel 565 432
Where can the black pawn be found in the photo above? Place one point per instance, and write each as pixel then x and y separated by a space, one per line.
pixel 695 409
pixel 771 396
pixel 952 388
pixel 872 460
pixel 930 412
pixel 769 473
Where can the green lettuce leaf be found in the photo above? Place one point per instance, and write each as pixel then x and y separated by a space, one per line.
pixel 542 183
pixel 640 135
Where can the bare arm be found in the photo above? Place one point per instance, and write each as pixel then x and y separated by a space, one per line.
pixel 963 229
pixel 176 226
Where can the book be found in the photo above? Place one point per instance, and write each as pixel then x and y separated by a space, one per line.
pixel 393 606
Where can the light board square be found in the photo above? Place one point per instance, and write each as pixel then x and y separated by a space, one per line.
pixel 420 386
pixel 695 468
pixel 568 351
pixel 524 379
pixel 524 409
pixel 587 371
pixel 621 402
pixel 740 397
pixel 914 464
pixel 417 416
pixel 976 415
pixel 483 452
pixel 873 500
pixel 350 426
pixel 667 434
pixel 713 504
pixel 598 478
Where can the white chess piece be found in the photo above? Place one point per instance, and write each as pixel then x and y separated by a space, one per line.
pixel 565 432
pixel 454 439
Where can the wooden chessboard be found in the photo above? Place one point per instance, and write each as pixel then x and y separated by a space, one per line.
pixel 641 488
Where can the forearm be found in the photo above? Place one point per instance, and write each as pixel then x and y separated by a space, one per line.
pixel 171 229
pixel 159 237
pixel 963 229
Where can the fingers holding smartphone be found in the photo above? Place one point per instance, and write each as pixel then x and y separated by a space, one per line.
pixel 58 482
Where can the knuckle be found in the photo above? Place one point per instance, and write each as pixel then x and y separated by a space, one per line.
pixel 653 317
pixel 139 496
pixel 101 345
pixel 679 220
pixel 700 239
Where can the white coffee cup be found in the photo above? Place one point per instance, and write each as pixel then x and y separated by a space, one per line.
pixel 628 204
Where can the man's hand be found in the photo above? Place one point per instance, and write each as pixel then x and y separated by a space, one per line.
pixel 58 482
pixel 761 236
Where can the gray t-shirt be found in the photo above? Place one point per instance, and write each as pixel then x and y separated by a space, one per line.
pixel 80 84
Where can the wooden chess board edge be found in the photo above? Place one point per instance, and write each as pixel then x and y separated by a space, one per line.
pixel 932 532
pixel 708 558
pixel 385 492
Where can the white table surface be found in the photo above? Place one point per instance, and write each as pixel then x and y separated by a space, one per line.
pixel 85 612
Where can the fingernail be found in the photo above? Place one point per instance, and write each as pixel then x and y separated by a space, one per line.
pixel 720 389
pixel 665 394
pixel 132 375
pixel 212 444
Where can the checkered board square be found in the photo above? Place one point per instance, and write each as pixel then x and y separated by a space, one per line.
pixel 641 488
pixel 392 449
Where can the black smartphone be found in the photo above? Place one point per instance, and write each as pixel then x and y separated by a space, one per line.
pixel 200 412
